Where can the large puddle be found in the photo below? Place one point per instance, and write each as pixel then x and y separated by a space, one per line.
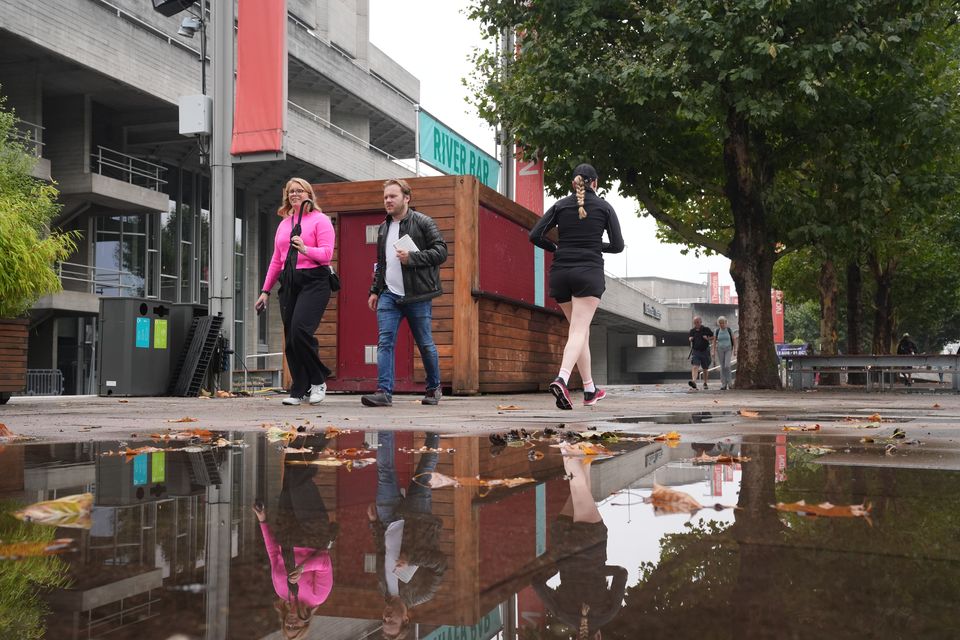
pixel 518 536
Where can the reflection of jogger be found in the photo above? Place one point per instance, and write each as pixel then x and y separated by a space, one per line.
pixel 410 565
pixel 297 539
pixel 578 552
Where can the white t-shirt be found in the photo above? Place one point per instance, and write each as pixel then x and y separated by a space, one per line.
pixel 392 541
pixel 394 275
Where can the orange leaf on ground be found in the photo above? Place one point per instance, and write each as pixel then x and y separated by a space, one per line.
pixel 936 405
pixel 749 413
pixel 875 418
pixel 673 435
pixel 221 393
pixel 826 509
pixel 184 419
pixel 508 407
pixel 703 458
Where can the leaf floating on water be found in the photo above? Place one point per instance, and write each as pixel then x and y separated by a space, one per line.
pixel 71 511
pixel 816 449
pixel 666 500
pixel 749 413
pixel 802 427
pixel 332 431
pixel 673 435
pixel 703 458
pixel 825 509
pixel 130 453
pixel 17 550
pixel 439 480
pixel 875 418
pixel 509 407
pixel 867 440
pixel 7 436
pixel 899 433
pixel 298 450
pixel 890 449
pixel 425 450
pixel 584 449
pixel 184 419
pixel 186 434
pixel 279 434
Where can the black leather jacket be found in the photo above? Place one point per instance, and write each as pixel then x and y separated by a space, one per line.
pixel 421 274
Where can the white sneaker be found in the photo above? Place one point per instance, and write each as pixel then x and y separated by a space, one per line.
pixel 291 401
pixel 318 392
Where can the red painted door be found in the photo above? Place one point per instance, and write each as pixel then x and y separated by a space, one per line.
pixel 356 324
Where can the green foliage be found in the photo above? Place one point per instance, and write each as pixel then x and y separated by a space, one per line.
pixel 22 610
pixel 28 248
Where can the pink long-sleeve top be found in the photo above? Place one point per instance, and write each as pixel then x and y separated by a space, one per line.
pixel 316 581
pixel 318 236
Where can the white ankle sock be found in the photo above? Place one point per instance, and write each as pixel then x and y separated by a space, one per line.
pixel 588 386
pixel 564 375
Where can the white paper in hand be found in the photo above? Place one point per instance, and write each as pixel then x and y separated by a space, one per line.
pixel 405 573
pixel 406 243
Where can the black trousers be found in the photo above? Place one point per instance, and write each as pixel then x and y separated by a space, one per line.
pixel 301 307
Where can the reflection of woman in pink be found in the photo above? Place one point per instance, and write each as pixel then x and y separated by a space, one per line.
pixel 300 564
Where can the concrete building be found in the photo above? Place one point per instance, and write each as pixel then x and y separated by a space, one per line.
pixel 95 84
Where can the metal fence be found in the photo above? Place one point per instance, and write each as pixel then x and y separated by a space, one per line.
pixel 44 382
pixel 120 166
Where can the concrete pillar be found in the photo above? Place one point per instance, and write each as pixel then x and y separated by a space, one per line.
pixel 598 353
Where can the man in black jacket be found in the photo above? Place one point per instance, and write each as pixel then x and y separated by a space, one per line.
pixel 404 284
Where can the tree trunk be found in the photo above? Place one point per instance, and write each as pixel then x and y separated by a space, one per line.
pixel 855 317
pixel 752 253
pixel 829 292
pixel 883 341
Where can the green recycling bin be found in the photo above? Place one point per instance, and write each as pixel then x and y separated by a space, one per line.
pixel 135 347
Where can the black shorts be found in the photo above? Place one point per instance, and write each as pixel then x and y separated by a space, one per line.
pixel 700 358
pixel 576 282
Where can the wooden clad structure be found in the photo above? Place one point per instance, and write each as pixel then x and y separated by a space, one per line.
pixel 13 356
pixel 491 334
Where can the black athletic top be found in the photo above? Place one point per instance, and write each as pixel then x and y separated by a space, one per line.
pixel 581 241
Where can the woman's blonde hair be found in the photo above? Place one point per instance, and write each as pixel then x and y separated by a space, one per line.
pixel 581 188
pixel 286 209
pixel 283 608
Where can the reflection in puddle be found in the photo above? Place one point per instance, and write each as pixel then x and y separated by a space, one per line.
pixel 271 539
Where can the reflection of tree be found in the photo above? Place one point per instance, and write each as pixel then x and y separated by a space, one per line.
pixel 781 575
pixel 21 609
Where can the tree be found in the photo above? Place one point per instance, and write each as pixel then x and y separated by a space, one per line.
pixel 28 248
pixel 697 107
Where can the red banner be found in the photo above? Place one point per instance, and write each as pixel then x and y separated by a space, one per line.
pixel 725 294
pixel 776 301
pixel 529 183
pixel 713 283
pixel 260 109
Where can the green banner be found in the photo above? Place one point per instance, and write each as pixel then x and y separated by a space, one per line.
pixel 445 150
pixel 487 628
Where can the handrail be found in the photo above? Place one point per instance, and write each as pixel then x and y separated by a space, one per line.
pixel 343 132
pixel 30 136
pixel 130 167
pixel 75 272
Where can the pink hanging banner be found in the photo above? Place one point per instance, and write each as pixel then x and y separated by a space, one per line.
pixel 714 285
pixel 260 109
pixel 529 183
pixel 776 301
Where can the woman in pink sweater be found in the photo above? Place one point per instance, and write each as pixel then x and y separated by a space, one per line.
pixel 302 301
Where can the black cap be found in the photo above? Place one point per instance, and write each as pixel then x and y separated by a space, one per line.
pixel 587 171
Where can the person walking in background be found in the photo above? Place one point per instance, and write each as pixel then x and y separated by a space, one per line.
pixel 907 347
pixel 405 282
pixel 576 275
pixel 724 346
pixel 303 248
pixel 700 339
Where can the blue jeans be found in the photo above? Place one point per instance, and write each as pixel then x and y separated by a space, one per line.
pixel 419 496
pixel 419 316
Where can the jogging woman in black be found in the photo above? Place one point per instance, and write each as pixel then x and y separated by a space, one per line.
pixel 576 275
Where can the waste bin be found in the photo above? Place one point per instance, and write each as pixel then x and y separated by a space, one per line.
pixel 135 347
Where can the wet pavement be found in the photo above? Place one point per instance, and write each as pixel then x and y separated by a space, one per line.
pixel 521 524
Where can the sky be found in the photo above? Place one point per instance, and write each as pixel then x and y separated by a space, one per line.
pixel 434 40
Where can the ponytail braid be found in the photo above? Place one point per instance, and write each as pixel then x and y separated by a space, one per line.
pixel 578 185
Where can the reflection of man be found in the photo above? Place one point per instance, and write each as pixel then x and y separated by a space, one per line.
pixel 700 339
pixel 404 285
pixel 583 599
pixel 410 565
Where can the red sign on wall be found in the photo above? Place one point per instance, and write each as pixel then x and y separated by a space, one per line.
pixel 529 183
pixel 725 294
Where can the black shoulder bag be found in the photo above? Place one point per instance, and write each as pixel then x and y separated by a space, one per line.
pixel 290 264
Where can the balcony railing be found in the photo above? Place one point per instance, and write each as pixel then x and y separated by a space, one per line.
pixel 120 166
pixel 29 135
pixel 98 279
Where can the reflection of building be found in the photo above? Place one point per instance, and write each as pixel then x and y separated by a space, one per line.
pixel 95 84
